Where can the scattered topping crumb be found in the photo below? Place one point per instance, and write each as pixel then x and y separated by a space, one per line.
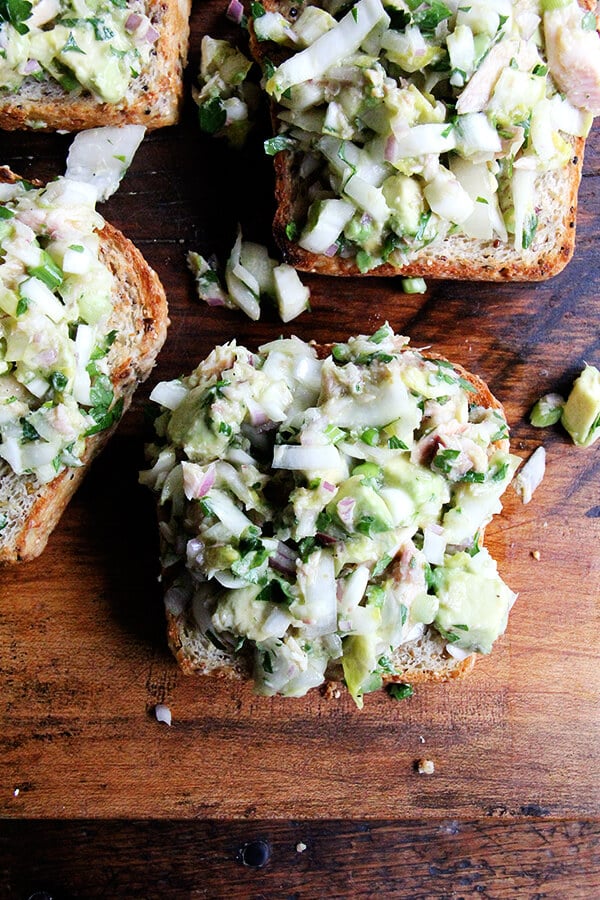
pixel 162 713
pixel 536 554
pixel 301 847
pixel 331 690
pixel 16 792
pixel 425 767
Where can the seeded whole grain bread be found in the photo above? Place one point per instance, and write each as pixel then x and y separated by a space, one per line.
pixel 140 317
pixel 154 98
pixel 456 256
pixel 419 661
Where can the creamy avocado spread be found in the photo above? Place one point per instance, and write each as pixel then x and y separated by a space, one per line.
pixel 55 301
pixel 413 121
pixel 99 46
pixel 320 513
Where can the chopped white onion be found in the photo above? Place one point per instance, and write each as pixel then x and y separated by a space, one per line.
pixel 299 458
pixel 531 475
pixel 162 713
pixel 458 652
pixel 101 156
pixel 434 546
pixel 169 393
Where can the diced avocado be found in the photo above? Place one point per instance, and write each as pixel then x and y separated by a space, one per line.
pixel 581 413
pixel 359 662
pixel 220 557
pixel 514 96
pixel 405 199
pixel 474 601
pixel 547 411
pixel 424 608
pixel 474 504
pixel 427 490
pixel 370 513
pixel 239 612
pixel 191 427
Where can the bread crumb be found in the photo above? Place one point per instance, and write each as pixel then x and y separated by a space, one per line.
pixel 301 847
pixel 536 554
pixel 425 767
pixel 331 691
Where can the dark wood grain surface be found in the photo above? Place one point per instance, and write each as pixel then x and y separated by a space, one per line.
pixel 513 808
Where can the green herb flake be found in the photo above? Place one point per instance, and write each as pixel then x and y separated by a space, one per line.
pixel 16 12
pixel 5 212
pixel 292 231
pixel 3 521
pixel 47 272
pixel 381 565
pixel 394 443
pixel 29 432
pixel 400 691
pixel 381 334
pixel 278 143
pixel 212 116
pixel 72 46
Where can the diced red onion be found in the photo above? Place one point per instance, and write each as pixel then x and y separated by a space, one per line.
pixel 328 486
pixel 152 35
pixel 256 412
pixel 345 510
pixel 235 12
pixel 331 251
pixel 326 538
pixel 284 559
pixel 214 301
pixel 133 22
pixel 31 66
pixel 390 149
pixel 197 483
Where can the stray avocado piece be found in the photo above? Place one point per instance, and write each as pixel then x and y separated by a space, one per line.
pixel 474 601
pixel 547 411
pixel 226 100
pixel 581 413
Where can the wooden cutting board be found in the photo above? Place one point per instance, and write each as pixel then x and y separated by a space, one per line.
pixel 83 655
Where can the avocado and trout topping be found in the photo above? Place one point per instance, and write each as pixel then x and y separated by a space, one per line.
pixel 321 513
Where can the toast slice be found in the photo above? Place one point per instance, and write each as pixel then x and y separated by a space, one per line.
pixel 153 98
pixel 189 601
pixel 304 177
pixel 31 510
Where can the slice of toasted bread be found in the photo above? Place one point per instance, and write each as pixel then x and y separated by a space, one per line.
pixel 154 97
pixel 456 256
pixel 140 317
pixel 424 659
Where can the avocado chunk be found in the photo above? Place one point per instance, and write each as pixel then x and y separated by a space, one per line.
pixel 474 601
pixel 581 413
pixel 369 512
pixel 359 662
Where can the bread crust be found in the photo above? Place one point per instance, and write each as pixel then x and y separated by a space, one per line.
pixel 140 316
pixel 419 662
pixel 457 257
pixel 154 99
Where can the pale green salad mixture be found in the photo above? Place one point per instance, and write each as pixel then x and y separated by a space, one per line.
pixel 55 302
pixel 321 513
pixel 96 45
pixel 414 120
